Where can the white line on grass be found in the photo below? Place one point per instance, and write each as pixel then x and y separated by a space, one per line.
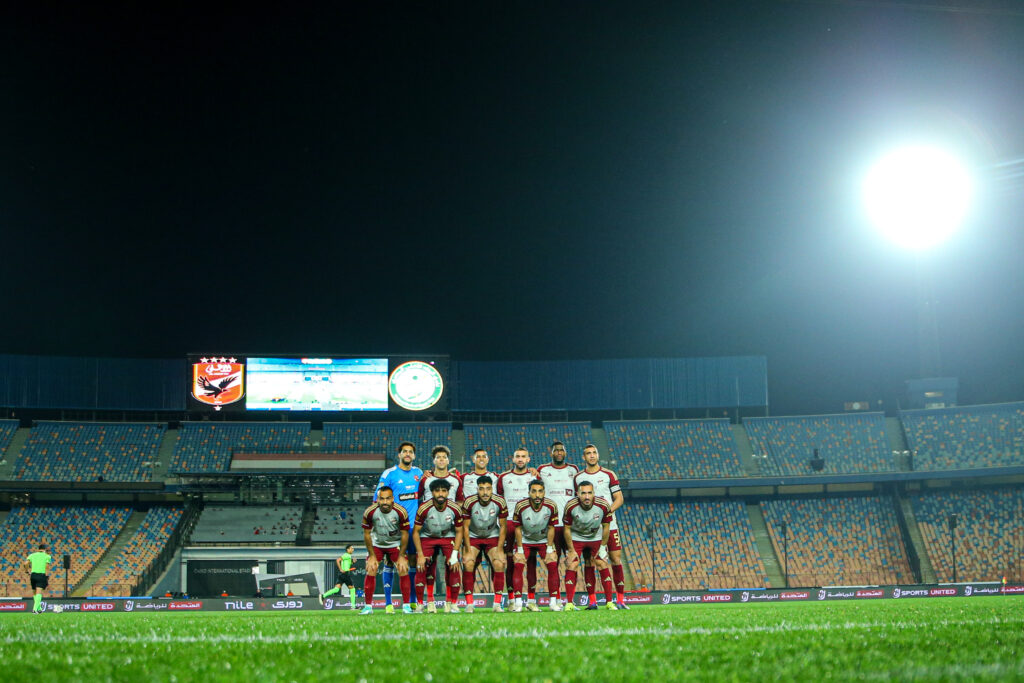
pixel 490 634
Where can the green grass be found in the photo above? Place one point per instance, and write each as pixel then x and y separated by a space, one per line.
pixel 939 639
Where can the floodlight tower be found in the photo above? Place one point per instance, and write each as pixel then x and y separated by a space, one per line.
pixel 917 196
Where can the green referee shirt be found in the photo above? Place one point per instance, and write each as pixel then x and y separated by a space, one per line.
pixel 346 562
pixel 39 560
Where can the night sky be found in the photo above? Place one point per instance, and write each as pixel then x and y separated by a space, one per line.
pixel 510 181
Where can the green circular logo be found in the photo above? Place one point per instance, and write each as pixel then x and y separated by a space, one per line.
pixel 415 385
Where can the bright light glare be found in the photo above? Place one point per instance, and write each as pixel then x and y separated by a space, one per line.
pixel 917 196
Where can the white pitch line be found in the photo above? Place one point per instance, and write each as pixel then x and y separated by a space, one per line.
pixel 490 634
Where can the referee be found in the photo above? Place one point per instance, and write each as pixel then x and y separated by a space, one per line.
pixel 36 564
pixel 344 577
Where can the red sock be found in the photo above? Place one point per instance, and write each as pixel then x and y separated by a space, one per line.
pixel 510 576
pixel 430 592
pixel 554 590
pixel 619 578
pixel 570 584
pixel 369 586
pixel 517 581
pixel 453 582
pixel 531 575
pixel 588 576
pixel 419 587
pixel 609 589
pixel 499 583
pixel 403 582
pixel 468 583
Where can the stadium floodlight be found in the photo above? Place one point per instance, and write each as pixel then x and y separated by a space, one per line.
pixel 917 196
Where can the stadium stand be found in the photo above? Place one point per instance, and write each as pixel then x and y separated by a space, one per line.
pixel 90 451
pixel 989 533
pixel 673 449
pixel 965 437
pixel 697 545
pixel 839 541
pixel 849 444
pixel 501 440
pixel 207 446
pixel 384 437
pixel 248 524
pixel 338 524
pixel 135 557
pixel 83 532
pixel 7 430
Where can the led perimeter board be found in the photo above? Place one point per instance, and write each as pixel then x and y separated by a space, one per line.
pixel 321 384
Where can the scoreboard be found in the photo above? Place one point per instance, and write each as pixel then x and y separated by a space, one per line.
pixel 322 384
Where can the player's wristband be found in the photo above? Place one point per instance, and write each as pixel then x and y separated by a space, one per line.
pixel 551 550
pixel 520 551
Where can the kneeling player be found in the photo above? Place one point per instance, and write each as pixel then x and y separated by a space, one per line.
pixel 587 519
pixel 438 527
pixel 534 522
pixel 484 532
pixel 386 534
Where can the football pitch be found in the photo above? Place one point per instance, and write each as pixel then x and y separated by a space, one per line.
pixel 978 638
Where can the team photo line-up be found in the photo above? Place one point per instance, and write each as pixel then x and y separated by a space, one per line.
pixel 553 512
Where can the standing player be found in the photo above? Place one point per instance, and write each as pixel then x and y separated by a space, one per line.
pixel 386 534
pixel 404 480
pixel 344 577
pixel 560 484
pixel 606 486
pixel 469 480
pixel 438 527
pixel 586 520
pixel 35 564
pixel 485 526
pixel 534 522
pixel 442 456
pixel 514 486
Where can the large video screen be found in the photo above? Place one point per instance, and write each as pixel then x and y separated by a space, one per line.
pixel 240 382
pixel 317 384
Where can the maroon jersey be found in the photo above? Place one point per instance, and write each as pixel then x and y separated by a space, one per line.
pixel 606 484
pixel 514 487
pixel 386 527
pixel 559 484
pixel 484 519
pixel 586 523
pixel 469 487
pixel 535 523
pixel 454 486
pixel 436 523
